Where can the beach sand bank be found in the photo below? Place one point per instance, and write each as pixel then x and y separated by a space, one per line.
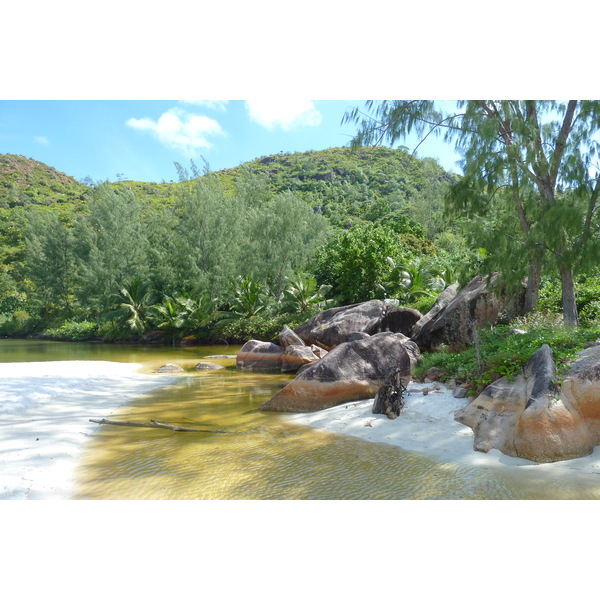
pixel 45 409
pixel 427 425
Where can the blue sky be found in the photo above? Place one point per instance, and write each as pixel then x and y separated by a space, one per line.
pixel 142 139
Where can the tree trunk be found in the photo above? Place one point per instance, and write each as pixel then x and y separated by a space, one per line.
pixel 389 400
pixel 534 282
pixel 568 296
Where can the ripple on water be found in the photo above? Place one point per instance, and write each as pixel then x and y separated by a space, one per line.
pixel 266 457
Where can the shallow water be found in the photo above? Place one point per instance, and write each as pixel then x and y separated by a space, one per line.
pixel 261 455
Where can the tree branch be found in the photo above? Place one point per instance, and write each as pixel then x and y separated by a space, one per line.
pixel 154 423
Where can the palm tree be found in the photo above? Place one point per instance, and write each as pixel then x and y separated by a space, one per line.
pixel 302 294
pixel 248 298
pixel 134 300
pixel 412 280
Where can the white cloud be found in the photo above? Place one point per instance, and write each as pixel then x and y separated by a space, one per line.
pixel 286 114
pixel 40 139
pixel 179 129
pixel 210 104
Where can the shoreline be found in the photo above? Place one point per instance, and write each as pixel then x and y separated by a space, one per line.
pixel 427 426
pixel 45 409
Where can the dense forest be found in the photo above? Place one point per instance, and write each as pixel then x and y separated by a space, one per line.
pixel 236 254
pixel 225 255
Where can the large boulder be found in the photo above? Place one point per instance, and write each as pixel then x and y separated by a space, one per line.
pixel 351 371
pixel 337 325
pixel 332 327
pixel 531 417
pixel 442 300
pixel 475 306
pixel 400 319
pixel 287 337
pixel 255 355
pixel 294 357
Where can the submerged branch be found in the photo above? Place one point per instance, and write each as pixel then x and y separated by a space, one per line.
pixel 154 423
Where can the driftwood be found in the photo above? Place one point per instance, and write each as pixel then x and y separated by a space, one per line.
pixel 389 400
pixel 154 423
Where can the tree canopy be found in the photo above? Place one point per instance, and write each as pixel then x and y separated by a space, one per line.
pixel 542 152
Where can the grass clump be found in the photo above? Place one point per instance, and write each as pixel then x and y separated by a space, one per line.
pixel 502 351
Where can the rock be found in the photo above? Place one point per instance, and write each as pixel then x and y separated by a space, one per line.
pixel 475 306
pixel 459 392
pixel 170 368
pixel 288 337
pixel 207 366
pixel 222 356
pixel 259 356
pixel 318 351
pixel 400 319
pixel 359 335
pixel 332 327
pixel 335 326
pixel 434 374
pixel 442 300
pixel 351 371
pixel 295 357
pixel 531 418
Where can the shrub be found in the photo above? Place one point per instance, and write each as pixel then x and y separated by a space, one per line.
pixel 499 353
pixel 75 331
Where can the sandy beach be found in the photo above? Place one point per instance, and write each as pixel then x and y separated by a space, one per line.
pixel 45 409
pixel 427 425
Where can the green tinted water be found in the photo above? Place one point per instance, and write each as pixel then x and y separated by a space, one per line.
pixel 261 455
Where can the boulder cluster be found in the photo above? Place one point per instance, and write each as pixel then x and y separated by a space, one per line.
pixel 345 354
pixel 534 416
pixel 340 355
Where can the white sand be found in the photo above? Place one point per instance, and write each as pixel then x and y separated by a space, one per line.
pixel 45 409
pixel 427 425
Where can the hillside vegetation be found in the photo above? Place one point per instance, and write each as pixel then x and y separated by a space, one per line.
pixel 234 254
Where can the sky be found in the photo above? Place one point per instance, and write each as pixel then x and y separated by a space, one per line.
pixel 94 95
pixel 141 140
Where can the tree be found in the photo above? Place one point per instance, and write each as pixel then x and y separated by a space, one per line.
pixel 356 263
pixel 112 245
pixel 280 238
pixel 208 234
pixel 134 302
pixel 50 258
pixel 543 146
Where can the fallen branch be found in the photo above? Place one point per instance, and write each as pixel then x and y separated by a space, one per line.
pixel 154 423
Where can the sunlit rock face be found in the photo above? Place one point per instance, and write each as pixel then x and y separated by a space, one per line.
pixel 294 357
pixel 259 356
pixel 351 371
pixel 533 417
pixel 442 300
pixel 475 306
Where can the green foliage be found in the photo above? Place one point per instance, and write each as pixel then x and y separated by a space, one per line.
pixel 50 260
pixel 73 331
pixel 260 327
pixel 134 303
pixel 111 246
pixel 412 280
pixel 24 181
pixel 247 298
pixel 303 294
pixel 357 263
pixel 501 353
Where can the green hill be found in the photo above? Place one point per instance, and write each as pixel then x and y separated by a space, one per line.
pixel 25 181
pixel 346 186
